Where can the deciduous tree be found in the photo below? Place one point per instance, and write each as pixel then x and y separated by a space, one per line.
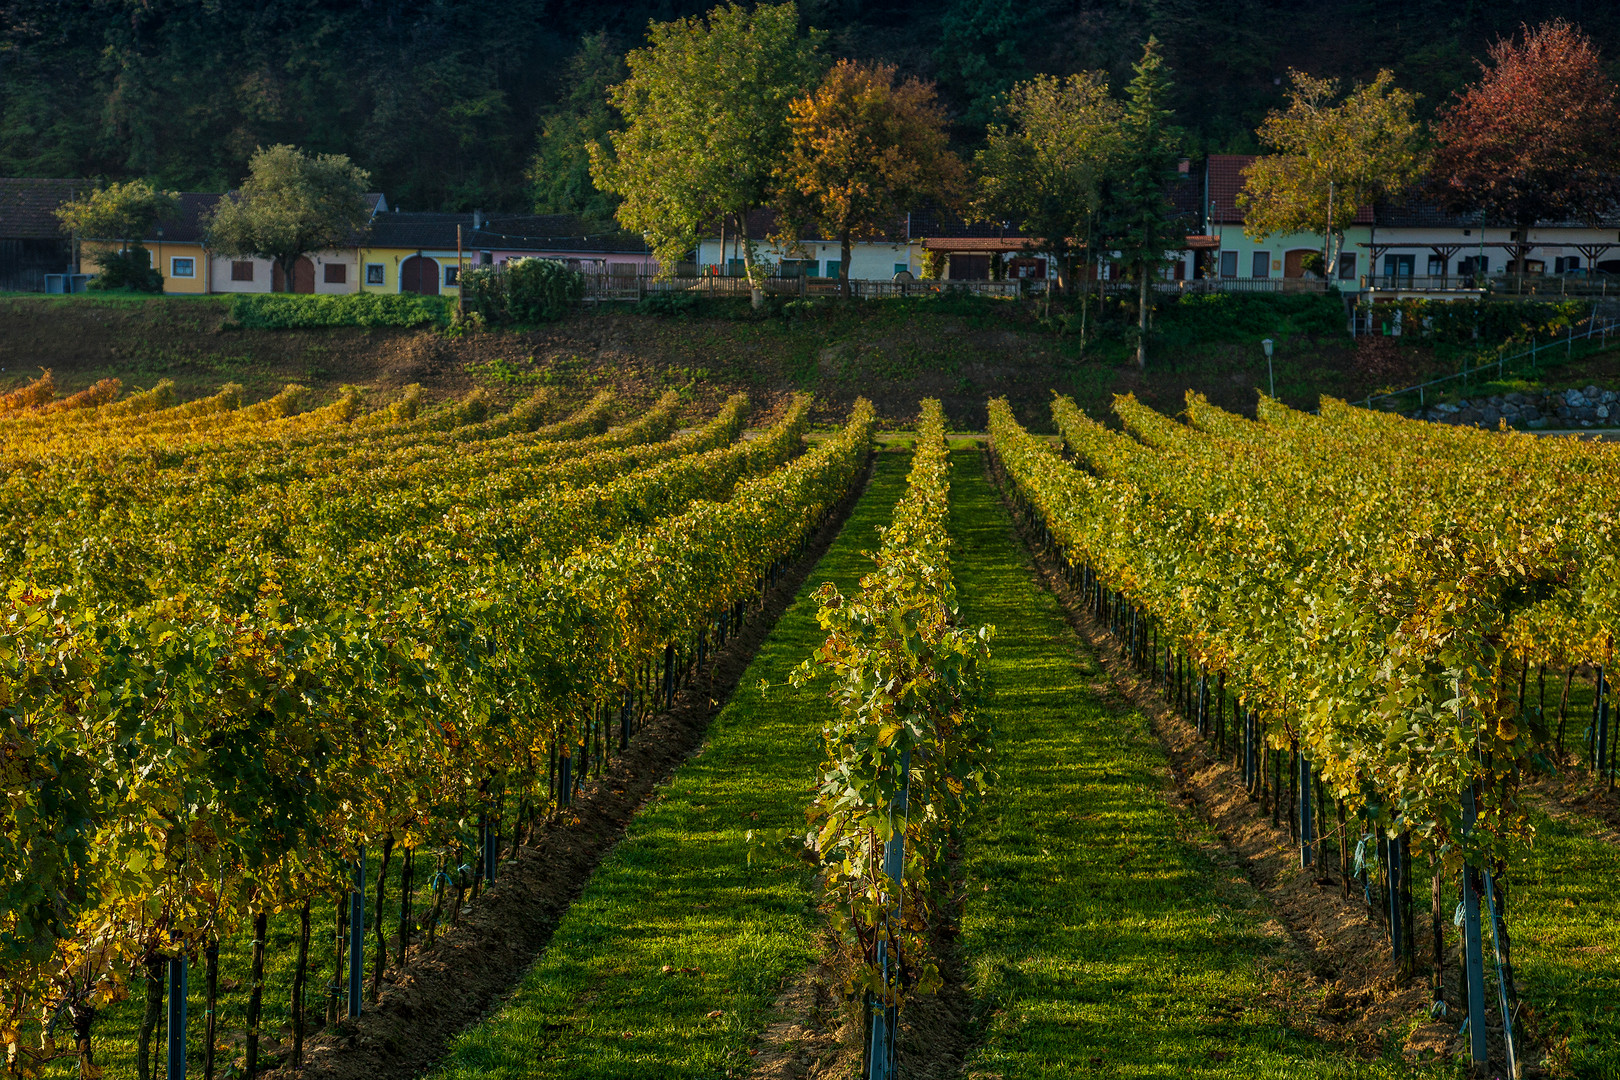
pixel 1142 223
pixel 122 212
pixel 291 204
pixel 560 171
pixel 1046 165
pixel 1537 138
pixel 864 149
pixel 706 124
pixel 1334 158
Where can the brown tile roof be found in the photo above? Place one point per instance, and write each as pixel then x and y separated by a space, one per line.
pixel 979 243
pixel 190 225
pixel 26 207
pixel 1226 180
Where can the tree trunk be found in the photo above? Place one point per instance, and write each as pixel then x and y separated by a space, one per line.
pixel 406 883
pixel 382 927
pixel 843 264
pixel 1142 318
pixel 300 973
pixel 149 1019
pixel 83 1016
pixel 211 1018
pixel 756 286
pixel 261 925
pixel 1437 949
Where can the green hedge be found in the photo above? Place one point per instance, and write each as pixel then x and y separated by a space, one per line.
pixel 1485 324
pixel 285 311
pixel 525 291
pixel 1247 317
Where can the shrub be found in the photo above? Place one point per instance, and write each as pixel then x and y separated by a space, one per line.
pixel 524 291
pixel 1242 317
pixel 1484 323
pixel 285 311
pixel 126 271
pixel 672 303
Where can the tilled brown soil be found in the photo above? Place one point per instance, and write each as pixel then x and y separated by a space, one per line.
pixel 1345 951
pixel 446 988
pixel 817 1033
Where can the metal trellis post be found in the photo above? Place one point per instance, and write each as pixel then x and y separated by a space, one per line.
pixel 357 935
pixel 881 1058
pixel 177 1018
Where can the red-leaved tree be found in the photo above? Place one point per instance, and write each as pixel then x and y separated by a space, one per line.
pixel 1537 138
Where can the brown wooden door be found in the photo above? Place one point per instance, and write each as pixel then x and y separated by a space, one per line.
pixel 970 268
pixel 303 276
pixel 419 274
pixel 1294 262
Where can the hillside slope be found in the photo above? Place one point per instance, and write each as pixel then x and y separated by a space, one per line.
pixel 894 353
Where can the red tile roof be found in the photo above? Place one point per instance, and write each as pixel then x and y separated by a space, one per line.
pixel 26 207
pixel 1226 180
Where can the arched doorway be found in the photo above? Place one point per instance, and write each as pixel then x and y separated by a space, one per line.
pixel 1294 261
pixel 419 274
pixel 303 276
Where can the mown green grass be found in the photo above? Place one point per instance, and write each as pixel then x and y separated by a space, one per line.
pixel 680 890
pixel 1100 938
pixel 1564 918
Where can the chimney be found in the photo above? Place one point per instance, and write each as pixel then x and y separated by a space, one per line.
pixel 478 219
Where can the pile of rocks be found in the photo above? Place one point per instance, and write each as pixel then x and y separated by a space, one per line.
pixel 1588 407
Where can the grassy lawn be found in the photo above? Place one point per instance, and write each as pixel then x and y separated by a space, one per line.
pixel 679 890
pixel 1101 940
pixel 1565 922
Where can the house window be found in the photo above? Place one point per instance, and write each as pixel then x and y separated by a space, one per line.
pixel 1229 264
pixel 1347 267
pixel 901 268
pixel 812 269
pixel 1474 264
pixel 1399 267
pixel 832 267
pixel 452 275
pixel 337 273
pixel 734 268
pixel 1436 267
pixel 486 258
pixel 1026 268
pixel 242 270
pixel 1566 263
pixel 792 268
pixel 374 273
pixel 1262 264
pixel 183 268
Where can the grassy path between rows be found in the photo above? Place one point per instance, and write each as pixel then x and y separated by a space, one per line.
pixel 1564 919
pixel 679 889
pixel 1100 939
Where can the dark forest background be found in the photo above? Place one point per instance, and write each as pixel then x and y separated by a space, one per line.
pixel 457 104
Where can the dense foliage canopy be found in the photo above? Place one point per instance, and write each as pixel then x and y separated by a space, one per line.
pixel 445 101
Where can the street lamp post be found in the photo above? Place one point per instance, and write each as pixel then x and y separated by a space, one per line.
pixel 1270 374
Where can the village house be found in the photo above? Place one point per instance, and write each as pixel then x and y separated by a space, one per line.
pixel 31 241
pixel 181 256
pixel 878 259
pixel 1418 247
pixel 423 252
pixel 1268 265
